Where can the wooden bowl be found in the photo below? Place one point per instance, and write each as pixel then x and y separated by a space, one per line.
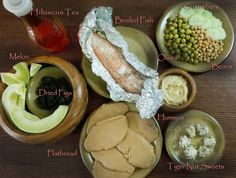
pixel 75 113
pixel 191 87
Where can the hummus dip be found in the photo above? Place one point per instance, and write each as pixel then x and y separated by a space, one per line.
pixel 175 89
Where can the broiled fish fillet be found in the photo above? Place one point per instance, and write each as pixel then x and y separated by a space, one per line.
pixel 106 134
pixel 101 172
pixel 113 60
pixel 138 151
pixel 144 127
pixel 114 160
pixel 106 111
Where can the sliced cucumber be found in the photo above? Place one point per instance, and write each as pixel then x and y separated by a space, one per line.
pixel 207 23
pixel 215 22
pixel 198 11
pixel 186 12
pixel 197 20
pixel 207 13
pixel 216 33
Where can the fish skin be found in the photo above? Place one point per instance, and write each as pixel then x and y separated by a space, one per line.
pixel 113 60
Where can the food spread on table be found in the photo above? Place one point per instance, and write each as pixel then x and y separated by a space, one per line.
pixel 120 141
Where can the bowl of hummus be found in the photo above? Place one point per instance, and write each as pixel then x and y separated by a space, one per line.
pixel 179 89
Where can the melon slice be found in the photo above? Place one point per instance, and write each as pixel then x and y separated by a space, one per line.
pixel 13 97
pixel 10 78
pixel 22 72
pixel 34 68
pixel 21 76
pixel 30 123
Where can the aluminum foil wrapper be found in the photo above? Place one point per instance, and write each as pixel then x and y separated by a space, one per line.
pixel 151 98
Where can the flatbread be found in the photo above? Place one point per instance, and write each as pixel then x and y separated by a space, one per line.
pixel 139 152
pixel 145 127
pixel 113 159
pixel 106 134
pixel 106 111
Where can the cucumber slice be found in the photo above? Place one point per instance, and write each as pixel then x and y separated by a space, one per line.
pixel 207 24
pixel 186 12
pixel 197 20
pixel 216 33
pixel 215 22
pixel 199 11
pixel 207 13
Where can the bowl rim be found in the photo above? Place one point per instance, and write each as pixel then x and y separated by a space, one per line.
pixel 72 118
pixel 191 82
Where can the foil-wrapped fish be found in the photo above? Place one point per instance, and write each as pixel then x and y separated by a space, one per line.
pixel 127 78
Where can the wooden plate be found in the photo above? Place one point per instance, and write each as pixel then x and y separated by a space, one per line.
pixel 201 67
pixel 139 44
pixel 138 173
pixel 176 128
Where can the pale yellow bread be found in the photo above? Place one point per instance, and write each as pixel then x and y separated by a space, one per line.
pixel 106 111
pixel 139 152
pixel 101 172
pixel 145 127
pixel 106 134
pixel 114 160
